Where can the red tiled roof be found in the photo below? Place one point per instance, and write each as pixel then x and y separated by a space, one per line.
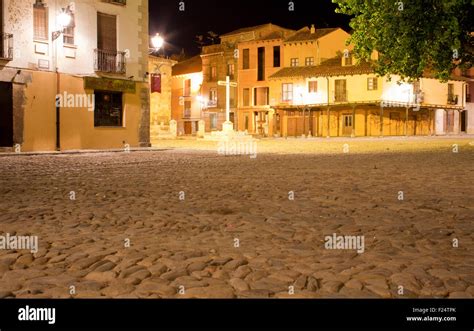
pixel 331 67
pixel 188 66
pixel 305 34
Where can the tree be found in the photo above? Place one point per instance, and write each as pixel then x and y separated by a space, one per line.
pixel 412 37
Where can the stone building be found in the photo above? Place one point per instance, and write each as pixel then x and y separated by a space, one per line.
pixel 221 60
pixel 160 77
pixel 264 54
pixel 186 101
pixel 73 74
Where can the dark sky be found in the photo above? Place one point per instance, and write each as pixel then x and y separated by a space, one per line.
pixel 221 16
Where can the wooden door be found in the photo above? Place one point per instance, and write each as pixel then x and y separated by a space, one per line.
pixel 107 42
pixel 188 127
pixel 395 124
pixel 347 122
pixel 292 126
pixel 6 115
pixel 1 29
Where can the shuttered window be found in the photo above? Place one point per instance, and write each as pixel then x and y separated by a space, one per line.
pixel 187 87
pixel 40 21
pixel 246 59
pixel 106 32
pixel 246 97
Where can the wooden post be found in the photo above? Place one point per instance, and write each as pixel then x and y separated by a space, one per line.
pixel 353 121
pixel 329 124
pixel 366 118
pixel 381 120
pixel 406 121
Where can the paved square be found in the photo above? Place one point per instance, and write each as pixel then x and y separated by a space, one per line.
pixel 187 222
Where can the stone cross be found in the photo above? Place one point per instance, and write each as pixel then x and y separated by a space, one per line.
pixel 227 83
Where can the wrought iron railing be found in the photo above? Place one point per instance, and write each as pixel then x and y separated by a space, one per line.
pixel 452 99
pixel 6 46
pixel 109 61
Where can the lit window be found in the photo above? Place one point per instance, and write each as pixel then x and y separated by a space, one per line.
pixel 294 62
pixel 309 61
pixel 312 86
pixel 287 92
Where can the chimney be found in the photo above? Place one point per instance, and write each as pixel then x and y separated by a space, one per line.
pixel 313 29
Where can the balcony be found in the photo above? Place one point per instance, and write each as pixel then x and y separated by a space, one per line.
pixel 109 61
pixel 452 99
pixel 212 103
pixel 6 47
pixel 340 96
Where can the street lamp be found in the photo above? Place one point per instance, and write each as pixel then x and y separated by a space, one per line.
pixel 64 20
pixel 157 42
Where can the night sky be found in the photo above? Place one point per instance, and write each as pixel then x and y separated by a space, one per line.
pixel 221 16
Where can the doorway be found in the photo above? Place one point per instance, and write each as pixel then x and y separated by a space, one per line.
pixel 6 114
pixel 346 125
pixel 188 127
pixel 463 121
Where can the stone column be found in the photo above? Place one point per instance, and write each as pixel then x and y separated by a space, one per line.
pixel 201 129
pixel 174 128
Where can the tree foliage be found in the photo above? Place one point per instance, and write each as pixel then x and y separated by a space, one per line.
pixel 412 36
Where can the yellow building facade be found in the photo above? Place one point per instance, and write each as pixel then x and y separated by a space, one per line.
pixel 81 87
pixel 340 97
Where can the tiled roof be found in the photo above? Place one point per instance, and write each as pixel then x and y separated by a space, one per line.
pixel 188 66
pixel 331 67
pixel 305 34
pixel 250 28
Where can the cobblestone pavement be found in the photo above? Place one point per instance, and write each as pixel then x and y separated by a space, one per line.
pixel 194 224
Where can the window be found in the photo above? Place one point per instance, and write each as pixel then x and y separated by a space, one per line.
pixel 372 83
pixel 340 95
pixel 261 64
pixel 452 99
pixel 68 35
pixel 261 96
pixel 230 70
pixel 276 56
pixel 312 86
pixel 246 97
pixel 287 92
pixel 187 108
pixel 309 61
pixel 213 73
pixel 187 87
pixel 348 60
pixel 213 120
pixel 212 97
pixel 294 62
pixel 40 21
pixel 108 109
pixel 246 59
